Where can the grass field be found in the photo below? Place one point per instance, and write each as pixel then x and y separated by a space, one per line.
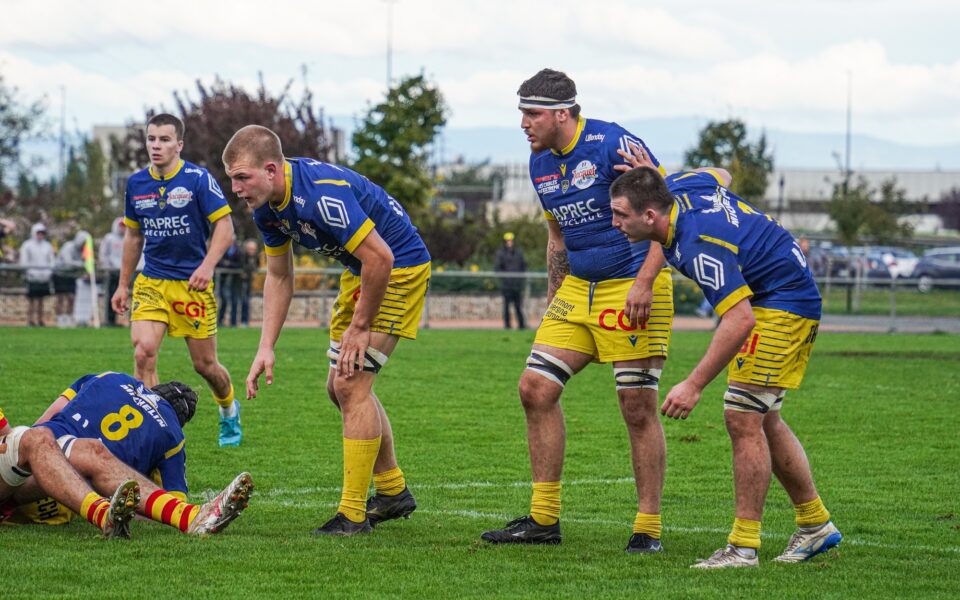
pixel 878 416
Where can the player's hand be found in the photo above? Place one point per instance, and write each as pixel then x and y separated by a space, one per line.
pixel 639 302
pixel 200 278
pixel 681 400
pixel 353 349
pixel 121 300
pixel 262 363
pixel 636 157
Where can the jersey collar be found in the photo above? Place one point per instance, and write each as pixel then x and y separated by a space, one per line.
pixel 581 123
pixel 287 187
pixel 159 177
pixel 672 228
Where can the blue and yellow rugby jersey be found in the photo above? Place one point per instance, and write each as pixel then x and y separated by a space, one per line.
pixel 174 214
pixel 734 251
pixel 136 425
pixel 330 209
pixel 574 190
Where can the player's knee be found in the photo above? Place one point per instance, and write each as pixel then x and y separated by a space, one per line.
pixel 544 371
pixel 206 367
pixel 630 379
pixel 537 393
pixel 144 353
pixel 332 392
pixel 639 408
pixel 36 440
pixel 743 425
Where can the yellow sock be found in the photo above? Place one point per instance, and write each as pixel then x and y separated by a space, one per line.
pixel 358 459
pixel 745 533
pixel 811 514
pixel 648 524
pixel 389 483
pixel 94 508
pixel 545 504
pixel 226 401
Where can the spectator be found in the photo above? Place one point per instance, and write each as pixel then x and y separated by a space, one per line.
pixel 68 267
pixel 36 255
pixel 229 284
pixel 111 257
pixel 509 259
pixel 250 264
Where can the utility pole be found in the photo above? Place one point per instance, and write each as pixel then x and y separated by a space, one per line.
pixel 63 128
pixel 390 4
pixel 846 165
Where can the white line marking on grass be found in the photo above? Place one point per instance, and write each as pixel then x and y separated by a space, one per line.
pixel 287 497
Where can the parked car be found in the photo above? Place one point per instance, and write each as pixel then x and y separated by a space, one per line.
pixel 936 264
pixel 900 261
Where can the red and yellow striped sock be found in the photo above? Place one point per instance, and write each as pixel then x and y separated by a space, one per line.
pixel 164 507
pixel 94 508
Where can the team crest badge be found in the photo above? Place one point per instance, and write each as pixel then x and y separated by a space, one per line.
pixel 564 186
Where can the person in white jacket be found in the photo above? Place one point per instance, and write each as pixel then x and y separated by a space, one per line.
pixel 111 258
pixel 37 257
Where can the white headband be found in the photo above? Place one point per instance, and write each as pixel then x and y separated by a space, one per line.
pixel 548 103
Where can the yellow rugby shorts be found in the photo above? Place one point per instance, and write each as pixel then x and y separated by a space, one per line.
pixel 401 308
pixel 589 318
pixel 776 352
pixel 187 313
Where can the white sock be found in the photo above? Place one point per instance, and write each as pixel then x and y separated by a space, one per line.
pixel 230 411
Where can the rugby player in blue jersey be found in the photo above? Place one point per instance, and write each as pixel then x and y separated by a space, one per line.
pixel 112 428
pixel 170 208
pixel 336 212
pixel 754 274
pixel 610 301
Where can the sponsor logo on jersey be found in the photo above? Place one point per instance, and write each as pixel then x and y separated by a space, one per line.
pixel 299 201
pixel 550 177
pixel 708 271
pixel 215 187
pixel 594 137
pixel 612 320
pixel 179 197
pixel 584 175
pixel 575 213
pixel 166 226
pixel 721 202
pixel 333 212
pixel 192 170
pixel 145 201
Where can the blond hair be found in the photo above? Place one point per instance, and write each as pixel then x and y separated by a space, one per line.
pixel 255 143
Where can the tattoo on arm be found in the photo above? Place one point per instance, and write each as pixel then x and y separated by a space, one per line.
pixel 558 266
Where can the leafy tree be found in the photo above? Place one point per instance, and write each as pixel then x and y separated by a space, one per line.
pixel 393 141
pixel 84 197
pixel 862 212
pixel 16 122
pixel 219 110
pixel 724 144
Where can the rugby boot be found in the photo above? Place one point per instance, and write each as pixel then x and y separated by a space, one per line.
pixel 726 558
pixel 123 507
pixel 805 544
pixel 641 543
pixel 524 531
pixel 341 525
pixel 230 431
pixel 214 516
pixel 381 507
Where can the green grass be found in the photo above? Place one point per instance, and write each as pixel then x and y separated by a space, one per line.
pixel 906 300
pixel 877 414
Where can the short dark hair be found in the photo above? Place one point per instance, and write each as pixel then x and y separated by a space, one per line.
pixel 550 83
pixel 643 187
pixel 168 119
pixel 181 397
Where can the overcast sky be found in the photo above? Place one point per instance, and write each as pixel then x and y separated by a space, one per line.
pixel 775 64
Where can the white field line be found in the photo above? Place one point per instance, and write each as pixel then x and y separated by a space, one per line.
pixel 293 498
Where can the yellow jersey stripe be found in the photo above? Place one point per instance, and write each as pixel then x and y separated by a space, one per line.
pixel 69 394
pixel 131 223
pixel 359 236
pixel 674 212
pixel 175 449
pixel 549 215
pixel 278 250
pixel 728 302
pixel 715 175
pixel 221 212
pixel 341 182
pixel 168 177
pixel 581 123
pixel 720 242
pixel 288 186
pixel 685 175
